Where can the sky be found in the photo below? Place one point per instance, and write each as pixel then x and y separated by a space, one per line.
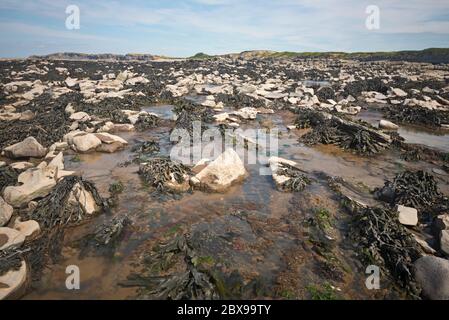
pixel 182 28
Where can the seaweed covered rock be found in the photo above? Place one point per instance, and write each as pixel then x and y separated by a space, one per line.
pixel 105 237
pixel 286 175
pixel 417 115
pixel 146 121
pixel 413 189
pixel 382 240
pixel 165 174
pixel 187 283
pixel 71 200
pixel 226 170
pixel 330 129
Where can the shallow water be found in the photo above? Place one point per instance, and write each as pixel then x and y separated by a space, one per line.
pixel 438 139
pixel 262 244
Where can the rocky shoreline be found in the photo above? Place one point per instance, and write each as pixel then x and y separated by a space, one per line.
pixel 53 112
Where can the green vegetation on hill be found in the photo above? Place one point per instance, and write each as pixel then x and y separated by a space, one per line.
pixel 201 56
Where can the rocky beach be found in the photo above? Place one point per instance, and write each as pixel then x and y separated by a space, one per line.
pixel 358 179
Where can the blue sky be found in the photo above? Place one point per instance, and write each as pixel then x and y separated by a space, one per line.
pixel 183 28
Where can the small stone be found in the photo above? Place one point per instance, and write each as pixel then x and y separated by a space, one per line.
pixel 407 216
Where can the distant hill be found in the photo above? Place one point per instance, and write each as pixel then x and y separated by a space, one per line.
pixel 431 55
pixel 100 56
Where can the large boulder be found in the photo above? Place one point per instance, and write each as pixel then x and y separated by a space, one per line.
pixel 36 183
pixel 221 173
pixel 5 212
pixel 14 282
pixel 86 143
pixel 432 274
pixel 29 147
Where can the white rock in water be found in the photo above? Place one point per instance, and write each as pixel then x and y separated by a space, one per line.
pixel 86 143
pixel 13 283
pixel 444 242
pixel 388 125
pixel 432 275
pixel 29 147
pixel 407 216
pixel 5 212
pixel 10 238
pixel 223 172
pixel 37 183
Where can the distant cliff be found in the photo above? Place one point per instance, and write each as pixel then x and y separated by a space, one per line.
pixel 100 56
pixel 431 55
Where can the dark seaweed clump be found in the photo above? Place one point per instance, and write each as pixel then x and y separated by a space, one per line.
pixel 158 171
pixel 297 182
pixel 382 240
pixel 8 177
pixel 344 133
pixel 417 115
pixel 190 283
pixel 414 189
